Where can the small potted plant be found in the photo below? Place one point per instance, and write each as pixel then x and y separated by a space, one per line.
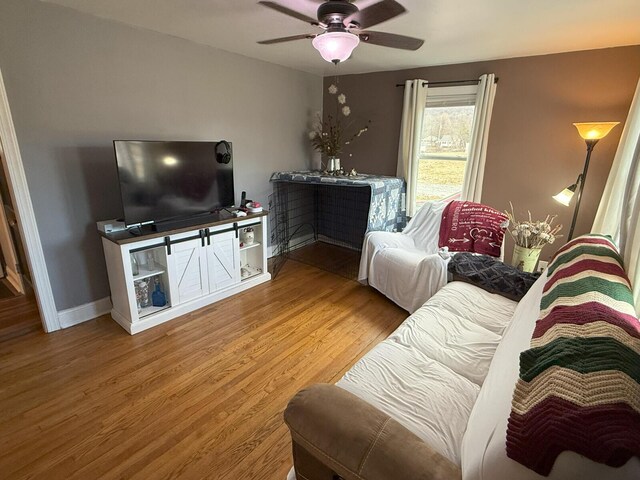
pixel 530 237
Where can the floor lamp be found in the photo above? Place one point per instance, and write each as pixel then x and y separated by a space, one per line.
pixel 592 132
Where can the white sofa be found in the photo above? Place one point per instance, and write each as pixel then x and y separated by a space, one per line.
pixel 447 374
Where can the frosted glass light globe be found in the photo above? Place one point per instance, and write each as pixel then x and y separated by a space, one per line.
pixel 336 46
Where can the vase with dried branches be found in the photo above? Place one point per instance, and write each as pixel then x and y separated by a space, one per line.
pixel 530 238
pixel 331 135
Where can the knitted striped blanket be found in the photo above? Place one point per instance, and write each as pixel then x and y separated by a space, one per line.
pixel 579 385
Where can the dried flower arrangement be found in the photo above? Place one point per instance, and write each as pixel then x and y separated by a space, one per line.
pixel 328 136
pixel 532 234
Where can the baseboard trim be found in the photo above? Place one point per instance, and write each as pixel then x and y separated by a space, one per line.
pixel 84 313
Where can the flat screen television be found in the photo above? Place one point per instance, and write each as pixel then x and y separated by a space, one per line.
pixel 164 181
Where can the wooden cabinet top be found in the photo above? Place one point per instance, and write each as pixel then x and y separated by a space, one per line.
pixel 146 233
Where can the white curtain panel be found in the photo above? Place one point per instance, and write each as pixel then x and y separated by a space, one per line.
pixel 474 171
pixel 619 211
pixel 415 99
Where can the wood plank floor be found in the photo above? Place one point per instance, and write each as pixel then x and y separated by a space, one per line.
pixel 19 315
pixel 7 290
pixel 332 258
pixel 199 397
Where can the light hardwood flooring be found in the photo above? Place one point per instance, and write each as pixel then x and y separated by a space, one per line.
pixel 199 397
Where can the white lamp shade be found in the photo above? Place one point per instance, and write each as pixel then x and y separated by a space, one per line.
pixel 336 46
pixel 565 196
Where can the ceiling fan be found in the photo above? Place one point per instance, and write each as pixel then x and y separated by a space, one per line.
pixel 344 27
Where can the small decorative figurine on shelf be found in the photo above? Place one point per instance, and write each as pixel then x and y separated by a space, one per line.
pixel 341 173
pixel 248 236
pixel 244 272
pixel 247 271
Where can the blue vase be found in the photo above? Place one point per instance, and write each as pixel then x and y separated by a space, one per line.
pixel 158 298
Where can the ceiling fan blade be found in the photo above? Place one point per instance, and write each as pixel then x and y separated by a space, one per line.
pixel 391 40
pixel 375 14
pixel 286 39
pixel 289 11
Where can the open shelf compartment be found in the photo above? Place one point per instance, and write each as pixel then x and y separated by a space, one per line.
pixel 251 258
pixel 149 268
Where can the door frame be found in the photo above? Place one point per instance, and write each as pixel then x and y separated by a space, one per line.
pixel 27 223
pixel 9 252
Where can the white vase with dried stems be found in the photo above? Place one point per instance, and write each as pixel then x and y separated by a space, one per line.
pixel 530 238
pixel 331 135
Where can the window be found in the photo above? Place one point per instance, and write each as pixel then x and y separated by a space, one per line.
pixel 444 144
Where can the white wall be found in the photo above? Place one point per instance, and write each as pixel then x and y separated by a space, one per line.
pixel 76 82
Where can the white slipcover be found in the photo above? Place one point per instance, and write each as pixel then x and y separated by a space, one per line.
pixel 427 374
pixel 406 266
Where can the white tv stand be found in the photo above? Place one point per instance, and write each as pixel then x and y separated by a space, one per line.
pixel 195 266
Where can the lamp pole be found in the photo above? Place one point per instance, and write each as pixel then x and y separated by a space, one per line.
pixel 591 132
pixel 583 176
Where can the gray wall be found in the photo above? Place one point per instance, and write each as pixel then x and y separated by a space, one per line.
pixel 76 82
pixel 534 150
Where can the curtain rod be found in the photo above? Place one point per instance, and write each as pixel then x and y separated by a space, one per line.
pixel 449 82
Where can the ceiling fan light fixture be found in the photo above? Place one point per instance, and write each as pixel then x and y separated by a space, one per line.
pixel 335 47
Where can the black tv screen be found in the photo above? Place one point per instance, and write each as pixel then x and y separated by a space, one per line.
pixel 167 180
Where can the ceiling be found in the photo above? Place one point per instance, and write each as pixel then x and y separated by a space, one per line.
pixel 455 31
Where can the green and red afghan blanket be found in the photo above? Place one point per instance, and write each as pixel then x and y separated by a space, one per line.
pixel 579 385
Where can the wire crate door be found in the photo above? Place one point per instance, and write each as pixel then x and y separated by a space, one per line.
pixel 277 233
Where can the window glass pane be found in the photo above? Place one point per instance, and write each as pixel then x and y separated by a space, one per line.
pixel 444 147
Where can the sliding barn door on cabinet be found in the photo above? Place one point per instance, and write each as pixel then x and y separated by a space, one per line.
pixel 223 261
pixel 189 270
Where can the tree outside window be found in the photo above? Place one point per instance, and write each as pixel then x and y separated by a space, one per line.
pixel 444 144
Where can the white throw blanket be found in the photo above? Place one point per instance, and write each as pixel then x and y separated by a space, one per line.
pixel 407 267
